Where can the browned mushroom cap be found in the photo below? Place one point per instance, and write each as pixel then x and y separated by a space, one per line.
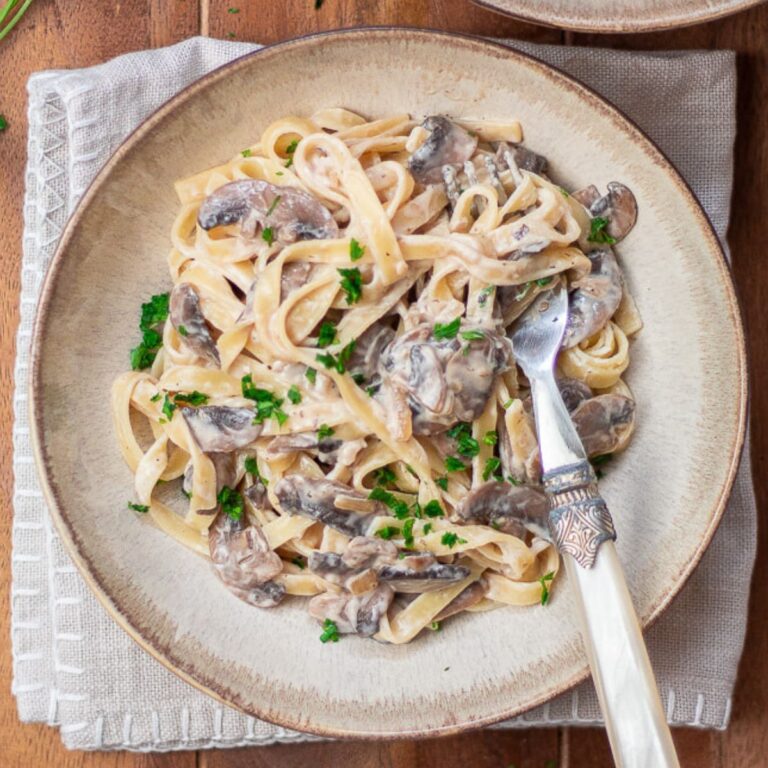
pixel 573 392
pixel 243 560
pixel 528 160
pixel 604 423
pixel 352 614
pixel 369 551
pixel 447 380
pixel 509 508
pixel 420 573
pixel 290 213
pixel 318 499
pixel 364 554
pixel 467 598
pixel 187 318
pixel 618 206
pixel 447 144
pixel 328 450
pixel 221 427
pixel 364 360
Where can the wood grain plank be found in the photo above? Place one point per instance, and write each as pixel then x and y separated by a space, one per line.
pixel 265 21
pixel 75 33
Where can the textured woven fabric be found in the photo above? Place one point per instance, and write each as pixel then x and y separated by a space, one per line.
pixel 73 666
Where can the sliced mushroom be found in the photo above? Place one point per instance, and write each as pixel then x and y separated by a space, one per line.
pixel 226 472
pixel 445 381
pixel 221 428
pixel 573 392
pixel 317 499
pixel 604 423
pixel 256 496
pixel 295 274
pixel 364 360
pixel 618 206
pixel 447 144
pixel 509 508
pixel 329 450
pixel 420 573
pixel 187 318
pixel 528 160
pixel 243 560
pixel 368 552
pixel 290 213
pixel 467 598
pixel 363 557
pixel 595 299
pixel 360 614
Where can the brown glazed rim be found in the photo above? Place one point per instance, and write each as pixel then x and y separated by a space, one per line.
pixel 594 23
pixel 57 505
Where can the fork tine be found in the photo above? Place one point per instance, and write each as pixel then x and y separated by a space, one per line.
pixel 493 173
pixel 471 173
pixel 451 184
pixel 508 157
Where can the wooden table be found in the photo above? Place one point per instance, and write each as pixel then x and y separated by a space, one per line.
pixel 79 33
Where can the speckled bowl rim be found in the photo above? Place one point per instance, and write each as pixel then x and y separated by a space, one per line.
pixel 57 505
pixel 536 12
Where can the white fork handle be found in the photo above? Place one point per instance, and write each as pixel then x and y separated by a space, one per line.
pixel 634 718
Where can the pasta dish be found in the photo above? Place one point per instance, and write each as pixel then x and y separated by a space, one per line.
pixel 326 403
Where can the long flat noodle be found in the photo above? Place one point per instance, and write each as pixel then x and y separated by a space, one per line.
pixel 151 468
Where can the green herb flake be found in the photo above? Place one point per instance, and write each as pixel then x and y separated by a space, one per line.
pixel 484 294
pixel 399 508
pixel 327 335
pixel 252 468
pixel 267 405
pixel 454 464
pixel 513 480
pixel 565 193
pixel 351 284
pixel 433 509
pixel 324 431
pixel 358 378
pixel 3 123
pixel 384 476
pixel 311 375
pixel 451 539
pixel 155 398
pixel 388 532
pixel 330 632
pixel 435 626
pixel 153 313
pixel 143 508
pixel 426 529
pixel 491 437
pixel 442 331
pixel 472 335
pixel 191 398
pixel 408 539
pixel 356 251
pixel 442 482
pixel 328 360
pixel 274 205
pixel 299 563
pixel 467 446
pixel 597 233
pixel 371 391
pixel 508 404
pixel 547 577
pixel 233 10
pixel 231 35
pixel 268 235
pixel 291 148
pixel 182 331
pixel 491 465
pixel 231 502
pixel 294 395
pixel 543 282
pixel 345 355
pixel 247 153
pixel 168 408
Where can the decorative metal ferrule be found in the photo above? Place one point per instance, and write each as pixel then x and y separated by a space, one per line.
pixel 578 518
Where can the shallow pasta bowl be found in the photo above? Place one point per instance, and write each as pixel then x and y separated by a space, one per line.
pixel 483 667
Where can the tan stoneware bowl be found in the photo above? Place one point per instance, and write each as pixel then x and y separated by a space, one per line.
pixel 667 492
pixel 618 15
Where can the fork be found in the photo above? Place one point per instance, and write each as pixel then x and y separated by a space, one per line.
pixel 582 529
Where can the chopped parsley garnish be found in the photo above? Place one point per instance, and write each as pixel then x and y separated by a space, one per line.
pixel 274 205
pixel 330 632
pixel 233 10
pixel 299 562
pixel 351 284
pixel 371 391
pixel 544 588
pixel 291 148
pixel 451 539
pixel 182 331
pixel 138 507
pixel 564 192
pixel 247 153
pixel 426 529
pixel 252 468
pixel 442 482
pixel 311 375
pixel 340 363
pixel 388 532
pixel 191 398
pixel 453 464
pixel 327 359
pixel 466 445
pixel 491 465
pixel 442 331
pixel 153 313
pixel 268 235
pixel 155 397
pixel 508 404
pixel 326 336
pixel 231 502
pixel 356 251
pixel 324 431
pixel 484 294
pixel 399 508
pixel 543 282
pixel 513 480
pixel 459 429
pixel 384 476
pixel 408 533
pixel 472 335
pixel 597 233
pixel 168 408
pixel 267 405
pixel 358 378
pixel 491 437
pixel 3 123
pixel 433 509
pixel 435 626
pixel 294 395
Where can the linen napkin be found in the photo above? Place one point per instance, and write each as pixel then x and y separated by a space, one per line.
pixel 75 669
